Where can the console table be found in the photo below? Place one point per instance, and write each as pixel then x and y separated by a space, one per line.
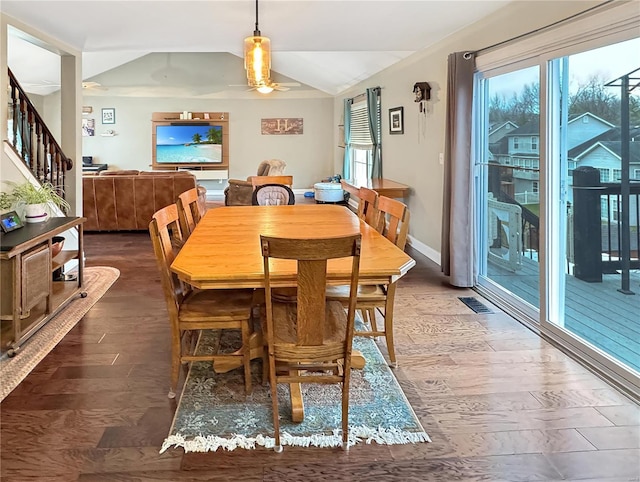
pixel 384 187
pixel 30 297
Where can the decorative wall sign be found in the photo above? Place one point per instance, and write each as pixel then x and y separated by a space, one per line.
pixel 282 126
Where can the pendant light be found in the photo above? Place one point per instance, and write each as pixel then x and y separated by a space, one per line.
pixel 257 60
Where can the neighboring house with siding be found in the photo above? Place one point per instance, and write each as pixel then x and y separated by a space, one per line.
pixel 498 130
pixel 604 152
pixel 519 149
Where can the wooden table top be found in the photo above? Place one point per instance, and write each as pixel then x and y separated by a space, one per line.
pixel 224 249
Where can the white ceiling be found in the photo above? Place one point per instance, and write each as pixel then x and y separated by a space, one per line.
pixel 328 46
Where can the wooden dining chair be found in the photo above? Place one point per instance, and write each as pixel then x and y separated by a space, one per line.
pixel 189 211
pixel 312 335
pixel 394 225
pixel 191 310
pixel 260 180
pixel 368 206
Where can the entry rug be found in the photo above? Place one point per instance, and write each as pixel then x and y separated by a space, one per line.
pixel 214 413
pixel 97 280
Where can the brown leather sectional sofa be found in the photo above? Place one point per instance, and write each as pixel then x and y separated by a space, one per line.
pixel 126 200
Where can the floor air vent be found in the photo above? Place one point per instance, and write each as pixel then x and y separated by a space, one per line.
pixel 474 304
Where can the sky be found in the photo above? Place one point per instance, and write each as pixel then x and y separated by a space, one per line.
pixel 172 135
pixel 608 63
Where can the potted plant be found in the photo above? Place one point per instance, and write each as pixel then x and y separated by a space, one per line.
pixel 6 201
pixel 36 199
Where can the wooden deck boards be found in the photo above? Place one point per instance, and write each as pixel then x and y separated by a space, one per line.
pixel 596 312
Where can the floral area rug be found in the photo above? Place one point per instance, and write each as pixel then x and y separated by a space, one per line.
pixel 213 411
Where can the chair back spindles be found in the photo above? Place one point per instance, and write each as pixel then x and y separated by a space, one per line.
pixel 368 206
pixel 189 211
pixel 165 235
pixel 393 222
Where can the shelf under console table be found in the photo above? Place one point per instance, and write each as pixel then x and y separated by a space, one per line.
pixel 30 296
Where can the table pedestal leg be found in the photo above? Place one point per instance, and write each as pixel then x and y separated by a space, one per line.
pixel 357 360
pixel 257 348
pixel 295 389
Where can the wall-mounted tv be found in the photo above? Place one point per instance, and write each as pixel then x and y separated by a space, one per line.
pixel 188 144
pixel 199 144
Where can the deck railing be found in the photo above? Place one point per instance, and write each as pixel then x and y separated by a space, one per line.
pixel 606 239
pixel 33 141
pixel 596 230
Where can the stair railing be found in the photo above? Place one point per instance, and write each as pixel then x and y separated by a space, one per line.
pixel 33 141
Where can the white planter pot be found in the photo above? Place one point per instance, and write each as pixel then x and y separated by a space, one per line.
pixel 36 213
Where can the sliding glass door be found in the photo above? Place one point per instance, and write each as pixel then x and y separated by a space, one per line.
pixel 594 275
pixel 557 144
pixel 509 186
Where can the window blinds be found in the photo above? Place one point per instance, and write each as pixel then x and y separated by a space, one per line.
pixel 360 135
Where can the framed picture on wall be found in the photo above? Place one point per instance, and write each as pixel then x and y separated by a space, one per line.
pixel 396 120
pixel 109 116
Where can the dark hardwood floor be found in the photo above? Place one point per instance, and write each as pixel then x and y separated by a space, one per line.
pixel 500 403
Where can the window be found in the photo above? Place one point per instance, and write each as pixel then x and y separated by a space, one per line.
pixel 617 175
pixel 604 174
pixel 534 143
pixel 636 174
pixel 361 144
pixel 535 186
pixel 516 143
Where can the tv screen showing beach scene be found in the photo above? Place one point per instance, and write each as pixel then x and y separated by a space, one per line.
pixel 188 144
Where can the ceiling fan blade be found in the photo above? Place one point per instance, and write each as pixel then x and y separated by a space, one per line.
pixel 44 83
pixel 288 84
pixel 279 88
pixel 93 86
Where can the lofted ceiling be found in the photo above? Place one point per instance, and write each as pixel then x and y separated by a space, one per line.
pixel 196 46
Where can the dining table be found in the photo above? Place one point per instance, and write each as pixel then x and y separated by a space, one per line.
pixel 224 252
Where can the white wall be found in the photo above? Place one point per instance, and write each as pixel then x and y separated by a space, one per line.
pixel 309 156
pixel 413 158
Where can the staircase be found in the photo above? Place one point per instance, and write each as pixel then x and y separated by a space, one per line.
pixel 32 140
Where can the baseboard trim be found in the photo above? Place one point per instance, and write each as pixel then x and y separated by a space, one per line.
pixel 422 248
